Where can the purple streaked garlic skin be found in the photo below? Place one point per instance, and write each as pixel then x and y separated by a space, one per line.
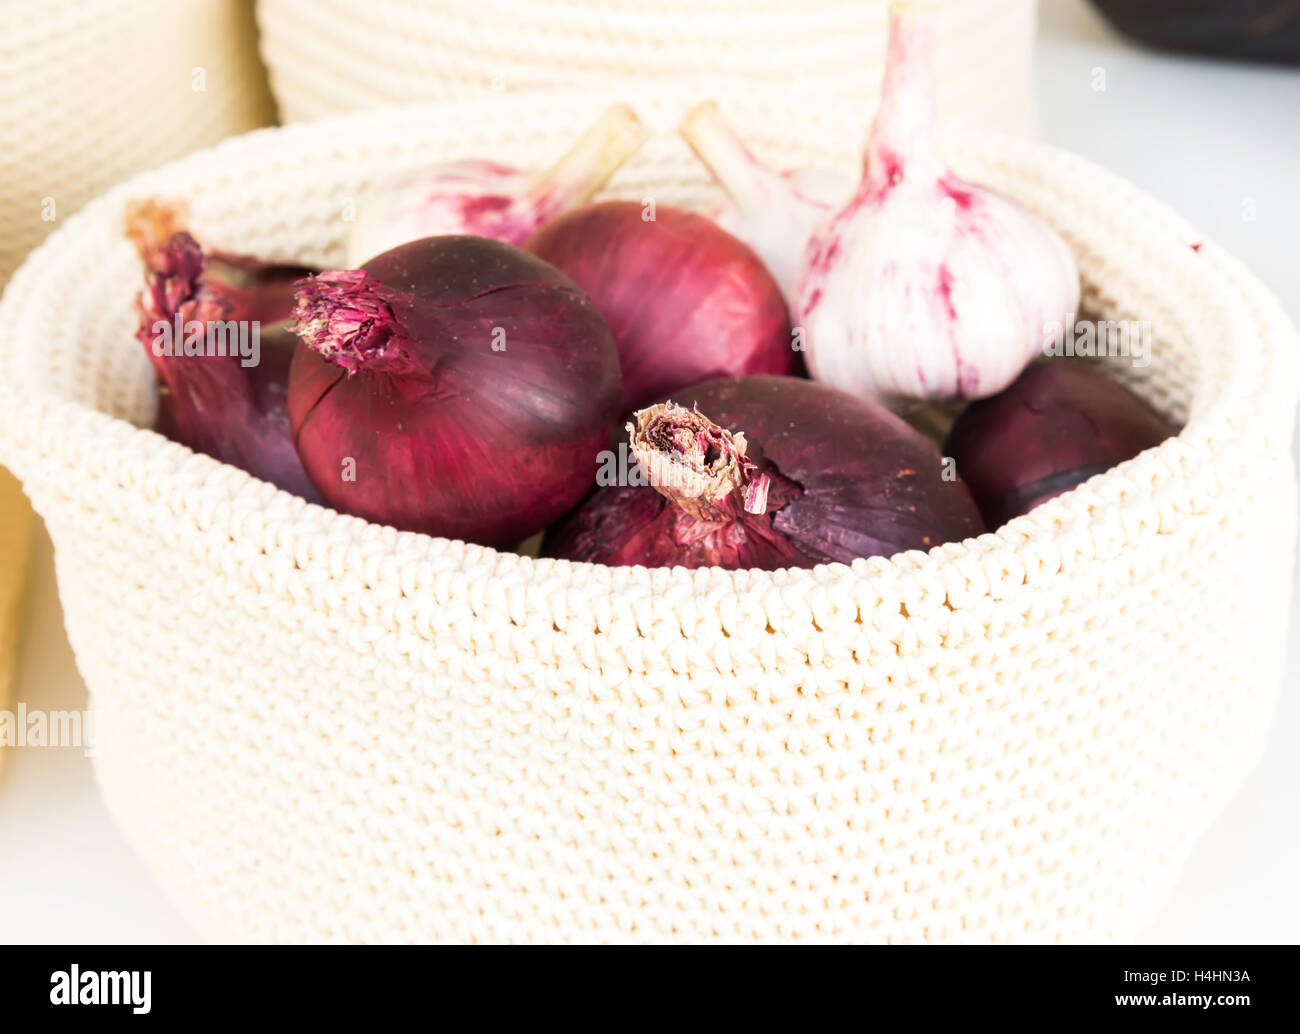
pixel 775 213
pixel 924 285
pixel 487 199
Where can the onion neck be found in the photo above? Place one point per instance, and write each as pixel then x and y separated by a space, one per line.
pixel 150 226
pixel 174 283
pixel 347 317
pixel 587 165
pixel 176 268
pixel 902 139
pixel 696 464
pixel 176 296
pixel 752 187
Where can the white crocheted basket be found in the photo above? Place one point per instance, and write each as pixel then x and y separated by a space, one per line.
pixel 326 57
pixel 321 729
pixel 95 90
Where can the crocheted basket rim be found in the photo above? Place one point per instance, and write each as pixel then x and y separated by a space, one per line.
pixel 263 514
pixel 322 57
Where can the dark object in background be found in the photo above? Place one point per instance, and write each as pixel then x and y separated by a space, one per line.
pixel 1253 30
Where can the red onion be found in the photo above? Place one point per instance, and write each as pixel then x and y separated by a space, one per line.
pixel 769 472
pixel 1059 424
pixel 454 385
pixel 490 200
pixel 686 301
pixel 222 375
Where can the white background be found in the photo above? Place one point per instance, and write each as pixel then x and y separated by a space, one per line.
pixel 1204 136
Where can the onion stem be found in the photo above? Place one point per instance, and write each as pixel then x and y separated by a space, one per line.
pixel 150 226
pixel 347 316
pixel 696 464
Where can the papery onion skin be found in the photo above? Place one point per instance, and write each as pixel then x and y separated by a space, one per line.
pixel 215 404
pixel 1058 425
pixel 685 300
pixel 848 479
pixel 465 385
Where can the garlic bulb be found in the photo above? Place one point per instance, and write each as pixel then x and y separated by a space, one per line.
pixel 490 200
pixel 924 285
pixel 775 213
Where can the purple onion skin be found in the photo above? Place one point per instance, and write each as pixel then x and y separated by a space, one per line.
pixel 214 404
pixel 257 290
pixel 685 300
pixel 1056 426
pixel 849 480
pixel 447 434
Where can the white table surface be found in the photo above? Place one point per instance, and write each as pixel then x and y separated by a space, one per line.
pixel 1202 135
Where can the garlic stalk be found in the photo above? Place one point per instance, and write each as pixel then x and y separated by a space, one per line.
pixel 775 213
pixel 489 200
pixel 924 285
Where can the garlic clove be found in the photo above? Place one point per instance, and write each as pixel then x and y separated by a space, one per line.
pixel 456 197
pixel 775 213
pixel 486 199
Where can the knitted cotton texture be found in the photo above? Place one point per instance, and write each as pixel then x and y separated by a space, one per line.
pixel 316 728
pixel 326 57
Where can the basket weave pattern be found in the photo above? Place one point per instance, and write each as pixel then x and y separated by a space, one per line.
pixel 326 57
pixel 317 728
pixel 95 90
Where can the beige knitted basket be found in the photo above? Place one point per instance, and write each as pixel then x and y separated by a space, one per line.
pixel 321 729
pixel 95 90
pixel 326 57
